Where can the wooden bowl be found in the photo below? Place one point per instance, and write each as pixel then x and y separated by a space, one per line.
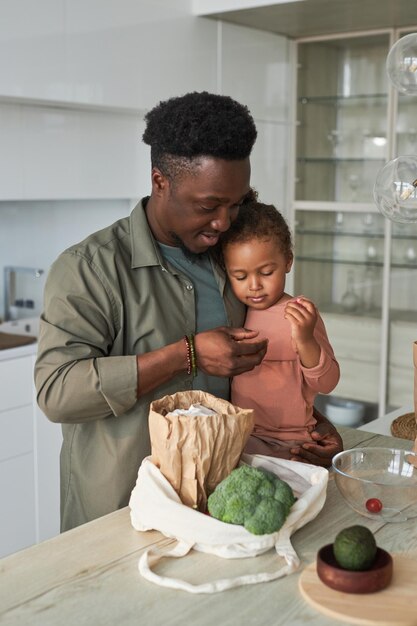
pixel 373 579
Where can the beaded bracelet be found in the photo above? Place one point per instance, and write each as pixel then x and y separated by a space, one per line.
pixel 191 356
pixel 187 343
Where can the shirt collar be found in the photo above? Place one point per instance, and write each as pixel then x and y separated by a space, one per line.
pixel 145 251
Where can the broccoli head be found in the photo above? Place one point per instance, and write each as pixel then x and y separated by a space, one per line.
pixel 254 498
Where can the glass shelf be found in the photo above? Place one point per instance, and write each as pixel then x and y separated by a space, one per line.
pixel 336 261
pixel 375 313
pixel 368 262
pixel 335 308
pixel 354 100
pixel 341 233
pixel 352 233
pixel 336 160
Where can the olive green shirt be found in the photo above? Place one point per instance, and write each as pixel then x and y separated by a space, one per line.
pixel 108 298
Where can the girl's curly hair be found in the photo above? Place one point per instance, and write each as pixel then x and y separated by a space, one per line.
pixel 256 220
pixel 183 128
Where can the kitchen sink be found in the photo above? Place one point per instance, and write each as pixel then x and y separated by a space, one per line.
pixel 28 326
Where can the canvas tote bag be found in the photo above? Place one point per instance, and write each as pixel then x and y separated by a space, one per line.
pixel 154 505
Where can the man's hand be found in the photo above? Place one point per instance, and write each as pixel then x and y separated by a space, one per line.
pixel 228 351
pixel 328 442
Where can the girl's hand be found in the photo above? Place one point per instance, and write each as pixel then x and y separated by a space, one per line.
pixel 302 315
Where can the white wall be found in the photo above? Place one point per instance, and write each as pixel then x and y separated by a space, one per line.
pixel 76 77
pixel 32 234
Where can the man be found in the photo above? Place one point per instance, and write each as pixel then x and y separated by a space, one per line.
pixel 121 308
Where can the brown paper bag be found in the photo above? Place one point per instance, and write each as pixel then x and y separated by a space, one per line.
pixel 196 452
pixel 415 388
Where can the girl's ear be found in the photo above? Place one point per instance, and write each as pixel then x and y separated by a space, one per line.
pixel 289 263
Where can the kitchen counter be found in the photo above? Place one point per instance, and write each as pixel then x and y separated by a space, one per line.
pixel 25 329
pixel 89 575
pixel 382 425
pixel 16 353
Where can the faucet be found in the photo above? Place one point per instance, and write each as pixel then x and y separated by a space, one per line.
pixel 10 273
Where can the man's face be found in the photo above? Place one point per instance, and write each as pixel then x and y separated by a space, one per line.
pixel 195 210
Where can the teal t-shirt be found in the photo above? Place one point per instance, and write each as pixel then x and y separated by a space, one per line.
pixel 210 311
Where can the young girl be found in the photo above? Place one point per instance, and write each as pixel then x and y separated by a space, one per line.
pixel 299 363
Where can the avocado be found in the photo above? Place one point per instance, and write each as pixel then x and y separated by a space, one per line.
pixel 355 548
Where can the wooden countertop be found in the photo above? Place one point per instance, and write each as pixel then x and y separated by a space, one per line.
pixel 9 341
pixel 19 351
pixel 89 575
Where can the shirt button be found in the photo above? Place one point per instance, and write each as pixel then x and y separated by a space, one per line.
pixel 190 287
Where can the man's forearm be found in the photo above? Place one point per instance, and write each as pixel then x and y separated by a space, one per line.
pixel 159 366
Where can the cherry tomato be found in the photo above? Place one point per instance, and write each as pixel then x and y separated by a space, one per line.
pixel 373 505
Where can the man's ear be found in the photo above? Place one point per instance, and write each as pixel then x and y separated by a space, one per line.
pixel 289 263
pixel 160 183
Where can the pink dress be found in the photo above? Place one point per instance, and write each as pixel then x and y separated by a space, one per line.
pixel 280 390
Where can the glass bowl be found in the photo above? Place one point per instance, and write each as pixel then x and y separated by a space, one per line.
pixel 379 483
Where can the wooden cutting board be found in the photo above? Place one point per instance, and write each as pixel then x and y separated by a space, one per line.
pixel 8 340
pixel 394 606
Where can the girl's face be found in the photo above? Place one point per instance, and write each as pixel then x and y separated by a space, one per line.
pixel 256 270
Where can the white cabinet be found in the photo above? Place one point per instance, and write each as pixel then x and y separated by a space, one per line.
pixel 48 437
pixel 76 78
pixel 16 383
pixel 17 469
pixel 99 53
pixel 51 153
pixel 29 461
pixel 401 368
pixel 358 267
pixel 356 343
pixel 32 49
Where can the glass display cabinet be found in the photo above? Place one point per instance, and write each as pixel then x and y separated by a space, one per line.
pixel 342 105
pixel 358 267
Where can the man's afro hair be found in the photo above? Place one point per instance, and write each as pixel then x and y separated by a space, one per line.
pixel 200 124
